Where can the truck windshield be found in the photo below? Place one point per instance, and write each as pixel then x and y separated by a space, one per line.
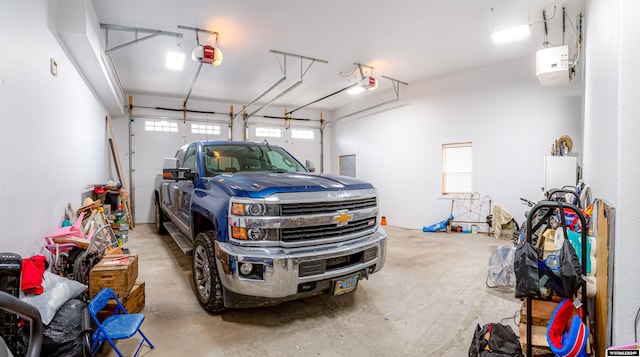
pixel 248 158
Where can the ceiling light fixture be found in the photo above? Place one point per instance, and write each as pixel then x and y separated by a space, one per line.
pixel 175 60
pixel 511 34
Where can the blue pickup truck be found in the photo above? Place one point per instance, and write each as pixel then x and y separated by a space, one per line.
pixel 262 228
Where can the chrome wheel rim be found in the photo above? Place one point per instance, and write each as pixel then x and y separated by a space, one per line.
pixel 202 273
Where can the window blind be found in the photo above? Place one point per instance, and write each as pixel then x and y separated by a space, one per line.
pixel 457 168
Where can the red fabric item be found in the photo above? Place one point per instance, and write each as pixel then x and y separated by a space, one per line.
pixel 559 321
pixel 32 272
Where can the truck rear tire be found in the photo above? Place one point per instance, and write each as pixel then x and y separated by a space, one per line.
pixel 206 279
pixel 160 219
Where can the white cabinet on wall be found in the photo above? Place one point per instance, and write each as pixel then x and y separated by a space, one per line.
pixel 559 171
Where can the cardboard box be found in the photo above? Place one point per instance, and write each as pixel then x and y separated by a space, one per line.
pixel 133 302
pixel 117 271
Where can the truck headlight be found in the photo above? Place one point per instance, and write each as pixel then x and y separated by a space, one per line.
pixel 253 221
pixel 254 209
pixel 254 234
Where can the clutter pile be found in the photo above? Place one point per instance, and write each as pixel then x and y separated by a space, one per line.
pixel 84 254
pixel 552 279
pixel 554 264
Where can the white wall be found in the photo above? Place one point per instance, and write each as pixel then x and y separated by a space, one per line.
pixel 612 97
pixel 511 120
pixel 52 129
pixel 602 68
pixel 626 290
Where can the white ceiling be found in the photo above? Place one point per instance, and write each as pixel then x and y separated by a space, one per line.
pixel 407 40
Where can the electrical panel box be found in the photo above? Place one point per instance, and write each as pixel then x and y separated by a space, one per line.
pixel 552 66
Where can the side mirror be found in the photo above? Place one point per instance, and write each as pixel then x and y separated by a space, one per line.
pixel 310 166
pixel 186 174
pixel 171 171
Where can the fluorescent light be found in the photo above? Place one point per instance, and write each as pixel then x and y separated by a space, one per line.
pixel 355 90
pixel 511 34
pixel 175 60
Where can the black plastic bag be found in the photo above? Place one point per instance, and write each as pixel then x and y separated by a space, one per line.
pixel 525 266
pixel 65 334
pixel 570 269
pixel 532 273
pixel 495 340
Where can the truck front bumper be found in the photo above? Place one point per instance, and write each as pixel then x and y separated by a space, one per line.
pixel 290 273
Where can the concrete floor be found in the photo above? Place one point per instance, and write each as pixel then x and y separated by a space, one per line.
pixel 425 302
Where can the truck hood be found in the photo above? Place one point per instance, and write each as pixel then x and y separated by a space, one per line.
pixel 261 184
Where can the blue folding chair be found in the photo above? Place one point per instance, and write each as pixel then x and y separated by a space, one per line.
pixel 120 325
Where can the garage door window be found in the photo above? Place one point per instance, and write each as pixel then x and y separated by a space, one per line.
pixel 205 129
pixel 302 134
pixel 457 168
pixel 264 132
pixel 160 126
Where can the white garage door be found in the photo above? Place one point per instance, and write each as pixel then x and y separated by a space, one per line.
pixel 156 139
pixel 302 142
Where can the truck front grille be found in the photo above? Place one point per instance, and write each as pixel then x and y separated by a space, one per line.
pixel 318 267
pixel 305 219
pixel 308 208
pixel 327 231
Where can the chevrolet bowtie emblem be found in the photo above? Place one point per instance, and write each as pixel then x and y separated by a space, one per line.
pixel 342 218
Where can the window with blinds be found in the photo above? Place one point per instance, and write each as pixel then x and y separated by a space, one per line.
pixel 457 168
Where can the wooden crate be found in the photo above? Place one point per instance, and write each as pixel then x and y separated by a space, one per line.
pixel 133 302
pixel 117 271
pixel 538 335
pixel 541 311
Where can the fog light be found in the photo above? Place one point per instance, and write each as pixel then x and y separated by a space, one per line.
pixel 246 268
pixel 257 233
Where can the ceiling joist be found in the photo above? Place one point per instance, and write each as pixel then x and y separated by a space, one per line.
pixel 137 30
pixel 396 87
pixel 303 72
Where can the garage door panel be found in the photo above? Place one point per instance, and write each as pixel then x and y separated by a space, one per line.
pixel 302 148
pixel 150 148
pixel 144 195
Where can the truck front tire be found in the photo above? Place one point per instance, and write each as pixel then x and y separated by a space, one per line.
pixel 205 273
pixel 160 219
